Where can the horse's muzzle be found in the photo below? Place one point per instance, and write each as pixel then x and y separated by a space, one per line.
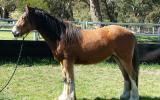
pixel 15 32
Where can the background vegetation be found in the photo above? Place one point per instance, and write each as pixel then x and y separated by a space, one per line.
pixel 96 10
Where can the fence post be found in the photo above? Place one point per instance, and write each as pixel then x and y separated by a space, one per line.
pixel 158 32
pixel 83 25
pixel 153 29
pixel 35 35
pixel 86 25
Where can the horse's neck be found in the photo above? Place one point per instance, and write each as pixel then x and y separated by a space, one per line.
pixel 56 47
pixel 51 42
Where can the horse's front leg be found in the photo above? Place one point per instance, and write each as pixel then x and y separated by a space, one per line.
pixel 68 76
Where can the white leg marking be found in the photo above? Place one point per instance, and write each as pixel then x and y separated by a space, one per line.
pixel 126 91
pixel 63 96
pixel 68 91
pixel 134 95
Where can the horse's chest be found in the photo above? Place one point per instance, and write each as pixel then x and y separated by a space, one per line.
pixel 58 53
pixel 58 56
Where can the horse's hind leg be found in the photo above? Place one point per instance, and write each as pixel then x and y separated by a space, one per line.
pixel 127 82
pixel 126 62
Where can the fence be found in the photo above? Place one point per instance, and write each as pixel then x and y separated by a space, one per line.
pixel 39 49
pixel 140 29
pixel 32 50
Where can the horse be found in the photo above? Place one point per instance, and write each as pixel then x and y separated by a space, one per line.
pixel 72 45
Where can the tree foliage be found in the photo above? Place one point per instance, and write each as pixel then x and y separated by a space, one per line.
pixel 61 8
pixel 81 10
pixel 20 4
pixel 105 10
pixel 6 6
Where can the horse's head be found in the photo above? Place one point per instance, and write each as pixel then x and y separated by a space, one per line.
pixel 23 24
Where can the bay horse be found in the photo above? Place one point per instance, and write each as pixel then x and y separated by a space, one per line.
pixel 71 45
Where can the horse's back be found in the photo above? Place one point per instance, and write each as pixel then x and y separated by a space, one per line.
pixel 116 30
pixel 107 34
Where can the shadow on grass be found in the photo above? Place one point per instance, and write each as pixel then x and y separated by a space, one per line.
pixel 149 98
pixel 29 61
pixel 97 98
pixel 141 98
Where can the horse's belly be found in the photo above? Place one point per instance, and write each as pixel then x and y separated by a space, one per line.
pixel 91 58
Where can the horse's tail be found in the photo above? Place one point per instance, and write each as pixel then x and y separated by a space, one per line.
pixel 135 62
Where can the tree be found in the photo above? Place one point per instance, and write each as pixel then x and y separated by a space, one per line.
pixel 136 10
pixel 95 10
pixel 61 8
pixel 154 15
pixel 20 4
pixel 6 6
pixel 100 10
pixel 81 10
pixel 110 9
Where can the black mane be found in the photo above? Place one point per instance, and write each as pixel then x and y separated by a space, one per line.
pixel 52 26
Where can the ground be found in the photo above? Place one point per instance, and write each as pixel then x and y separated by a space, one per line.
pixel 93 82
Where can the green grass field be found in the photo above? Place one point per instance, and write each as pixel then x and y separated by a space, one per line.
pixel 9 36
pixel 93 82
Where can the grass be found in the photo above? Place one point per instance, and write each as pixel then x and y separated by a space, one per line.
pixel 93 82
pixel 9 36
pixel 143 38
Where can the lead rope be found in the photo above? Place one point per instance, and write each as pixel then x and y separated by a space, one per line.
pixel 19 57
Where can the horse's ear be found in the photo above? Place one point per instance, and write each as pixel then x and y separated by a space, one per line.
pixel 27 8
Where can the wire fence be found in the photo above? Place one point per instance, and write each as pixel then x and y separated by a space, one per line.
pixel 143 30
pixel 138 28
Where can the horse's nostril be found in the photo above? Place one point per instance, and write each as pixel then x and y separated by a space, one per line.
pixel 15 31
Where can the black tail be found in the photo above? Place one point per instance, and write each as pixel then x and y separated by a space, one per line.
pixel 135 62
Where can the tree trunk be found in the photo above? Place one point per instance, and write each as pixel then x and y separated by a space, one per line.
pixel 1 12
pixel 110 9
pixel 95 10
pixel 69 14
pixel 4 13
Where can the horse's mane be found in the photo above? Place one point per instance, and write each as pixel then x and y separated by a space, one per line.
pixel 55 28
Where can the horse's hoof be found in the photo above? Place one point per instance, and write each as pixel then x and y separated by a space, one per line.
pixel 134 95
pixel 134 98
pixel 125 96
pixel 62 97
